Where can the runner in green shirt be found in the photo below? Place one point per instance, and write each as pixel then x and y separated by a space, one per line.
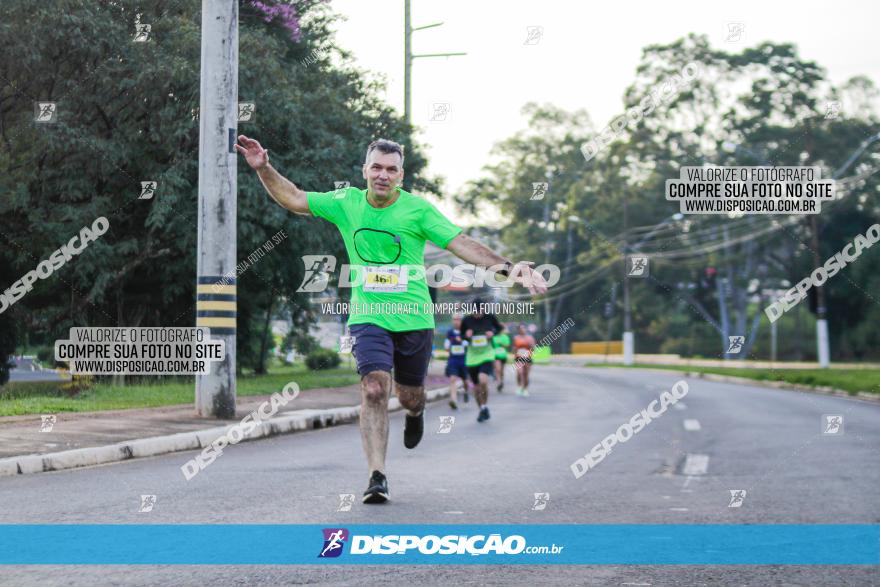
pixel 479 329
pixel 501 342
pixel 385 228
pixel 385 247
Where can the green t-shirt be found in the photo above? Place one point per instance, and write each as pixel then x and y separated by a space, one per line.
pixel 386 248
pixel 480 348
pixel 501 342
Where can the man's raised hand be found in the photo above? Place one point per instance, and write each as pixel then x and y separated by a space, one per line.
pixel 523 273
pixel 255 155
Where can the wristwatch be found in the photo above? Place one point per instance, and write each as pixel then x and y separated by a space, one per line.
pixel 506 270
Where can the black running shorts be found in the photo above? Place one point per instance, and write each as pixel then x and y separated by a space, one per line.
pixel 488 368
pixel 406 353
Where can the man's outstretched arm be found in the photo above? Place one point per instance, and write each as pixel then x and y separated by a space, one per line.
pixel 476 253
pixel 281 189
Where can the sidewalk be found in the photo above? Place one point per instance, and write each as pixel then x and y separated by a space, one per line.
pixel 21 435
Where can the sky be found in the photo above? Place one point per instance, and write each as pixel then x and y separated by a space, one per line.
pixel 583 57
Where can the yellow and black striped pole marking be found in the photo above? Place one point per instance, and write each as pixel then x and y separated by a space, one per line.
pixel 216 304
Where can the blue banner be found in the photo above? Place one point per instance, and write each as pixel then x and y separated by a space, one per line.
pixel 618 544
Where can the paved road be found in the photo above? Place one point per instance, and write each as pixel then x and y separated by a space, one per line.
pixel 768 442
pixel 27 370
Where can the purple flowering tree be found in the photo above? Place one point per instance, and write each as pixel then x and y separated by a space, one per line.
pixel 283 11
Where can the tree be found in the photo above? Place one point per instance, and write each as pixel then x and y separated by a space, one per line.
pixel 127 112
pixel 768 102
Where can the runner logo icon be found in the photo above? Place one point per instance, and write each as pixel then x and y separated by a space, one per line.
pixel 317 272
pixel 47 423
pixel 539 190
pixel 638 267
pixel 737 497
pixel 735 344
pixel 334 540
pixel 541 501
pixel 833 424
pixel 446 424
pixel 346 500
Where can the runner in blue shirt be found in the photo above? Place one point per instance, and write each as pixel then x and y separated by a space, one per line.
pixel 455 368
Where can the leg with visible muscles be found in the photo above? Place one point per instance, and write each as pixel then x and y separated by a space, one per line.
pixel 412 398
pixel 482 390
pixel 375 391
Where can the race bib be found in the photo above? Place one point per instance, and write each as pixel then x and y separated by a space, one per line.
pixel 479 340
pixel 384 279
pixel 524 353
pixel 456 349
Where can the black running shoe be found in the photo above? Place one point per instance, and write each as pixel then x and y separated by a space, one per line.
pixel 467 397
pixel 484 414
pixel 500 387
pixel 377 492
pixel 453 405
pixel 413 429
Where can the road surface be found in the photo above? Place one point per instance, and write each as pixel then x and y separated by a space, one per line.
pixel 768 442
pixel 28 369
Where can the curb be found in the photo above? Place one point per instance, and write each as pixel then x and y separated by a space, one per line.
pixel 301 420
pixel 821 390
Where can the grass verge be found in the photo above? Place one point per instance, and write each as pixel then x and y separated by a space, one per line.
pixel 27 397
pixel 849 380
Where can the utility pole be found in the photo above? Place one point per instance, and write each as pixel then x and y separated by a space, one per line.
pixel 724 287
pixel 547 246
pixel 570 221
pixel 407 77
pixel 628 335
pixel 773 342
pixel 822 341
pixel 407 61
pixel 629 350
pixel 609 314
pixel 218 116
pixel 823 348
pixel 408 58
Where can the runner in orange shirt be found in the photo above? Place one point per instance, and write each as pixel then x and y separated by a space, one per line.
pixel 523 345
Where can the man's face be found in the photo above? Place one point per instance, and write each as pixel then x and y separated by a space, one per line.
pixel 383 172
pixel 456 322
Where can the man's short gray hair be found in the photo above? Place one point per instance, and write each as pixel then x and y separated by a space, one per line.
pixel 385 146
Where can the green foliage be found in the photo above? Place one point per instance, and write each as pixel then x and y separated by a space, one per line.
pixel 78 384
pixel 23 389
pixel 7 345
pixel 61 388
pixel 8 326
pixel 306 344
pixel 129 112
pixel 320 359
pixel 771 103
pixel 45 354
